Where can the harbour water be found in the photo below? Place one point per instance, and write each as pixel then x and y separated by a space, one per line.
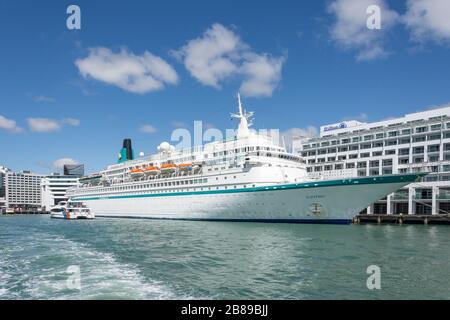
pixel 155 259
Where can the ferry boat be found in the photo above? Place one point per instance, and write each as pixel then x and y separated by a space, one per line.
pixel 245 178
pixel 71 211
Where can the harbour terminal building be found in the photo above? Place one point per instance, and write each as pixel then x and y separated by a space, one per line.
pixel 54 188
pixel 416 142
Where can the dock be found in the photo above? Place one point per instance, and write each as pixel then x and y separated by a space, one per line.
pixel 403 218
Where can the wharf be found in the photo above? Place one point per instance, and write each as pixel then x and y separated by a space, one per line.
pixel 403 218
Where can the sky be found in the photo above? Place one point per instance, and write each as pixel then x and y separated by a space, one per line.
pixel 141 69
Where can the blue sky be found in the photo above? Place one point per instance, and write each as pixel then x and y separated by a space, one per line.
pixel 77 93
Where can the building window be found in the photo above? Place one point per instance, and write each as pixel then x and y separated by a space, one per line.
pixel 365 155
pixel 404 141
pixel 377 144
pixel 421 129
pixel 434 137
pixel 418 150
pixel 362 164
pixel 419 139
pixel 406 131
pixel 374 163
pixel 350 165
pixel 390 152
pixel 392 134
pixel 391 142
pixel 403 152
pixel 436 127
pixel 433 148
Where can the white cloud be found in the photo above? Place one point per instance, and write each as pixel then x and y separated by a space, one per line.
pixel 9 125
pixel 43 125
pixel 147 128
pixel 362 117
pixel 428 20
pixel 263 75
pixel 220 54
pixel 350 31
pixel 133 73
pixel 42 98
pixel 71 122
pixel 50 125
pixel 179 124
pixel 59 164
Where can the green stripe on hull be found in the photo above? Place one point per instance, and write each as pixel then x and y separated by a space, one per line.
pixel 407 178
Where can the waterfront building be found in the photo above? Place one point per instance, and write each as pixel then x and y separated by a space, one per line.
pixel 54 188
pixel 3 171
pixel 23 190
pixel 413 143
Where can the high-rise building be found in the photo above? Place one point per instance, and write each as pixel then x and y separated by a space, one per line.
pixel 412 143
pixel 54 188
pixel 23 190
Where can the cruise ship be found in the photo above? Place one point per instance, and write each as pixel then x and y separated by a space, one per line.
pixel 248 177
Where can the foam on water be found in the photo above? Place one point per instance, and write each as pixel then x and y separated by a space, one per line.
pixel 36 268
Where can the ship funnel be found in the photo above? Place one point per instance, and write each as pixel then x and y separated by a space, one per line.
pixel 127 151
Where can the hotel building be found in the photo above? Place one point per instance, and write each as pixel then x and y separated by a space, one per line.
pixel 412 143
pixel 23 191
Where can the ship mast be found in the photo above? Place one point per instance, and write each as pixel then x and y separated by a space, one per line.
pixel 244 119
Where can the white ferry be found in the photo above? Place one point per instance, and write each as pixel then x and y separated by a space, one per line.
pixel 71 211
pixel 246 178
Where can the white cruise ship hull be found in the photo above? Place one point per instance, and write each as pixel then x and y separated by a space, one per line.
pixel 334 201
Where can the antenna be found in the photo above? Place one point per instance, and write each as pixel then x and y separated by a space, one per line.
pixel 241 113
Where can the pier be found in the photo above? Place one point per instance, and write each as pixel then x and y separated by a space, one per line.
pixel 403 219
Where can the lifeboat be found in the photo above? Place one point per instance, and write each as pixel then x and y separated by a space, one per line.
pixel 151 171
pixel 168 168
pixel 185 167
pixel 136 173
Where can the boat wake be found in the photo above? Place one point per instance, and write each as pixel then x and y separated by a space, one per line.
pixel 42 267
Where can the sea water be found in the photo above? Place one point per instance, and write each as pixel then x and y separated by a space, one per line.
pixel 43 258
